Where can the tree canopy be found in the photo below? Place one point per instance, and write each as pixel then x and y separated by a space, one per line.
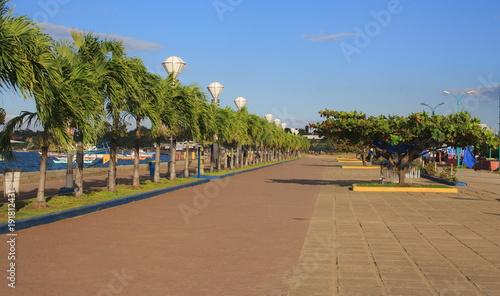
pixel 402 139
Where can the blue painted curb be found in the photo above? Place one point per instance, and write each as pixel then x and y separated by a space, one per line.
pixel 240 172
pixel 447 182
pixel 71 213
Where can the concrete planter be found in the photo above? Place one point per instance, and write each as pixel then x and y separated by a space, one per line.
pixel 403 189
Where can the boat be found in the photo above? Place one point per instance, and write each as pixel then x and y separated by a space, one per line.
pixel 89 156
pixel 130 156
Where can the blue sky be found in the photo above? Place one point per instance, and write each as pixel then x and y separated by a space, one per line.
pixel 294 58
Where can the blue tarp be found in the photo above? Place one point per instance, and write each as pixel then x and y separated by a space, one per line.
pixel 469 159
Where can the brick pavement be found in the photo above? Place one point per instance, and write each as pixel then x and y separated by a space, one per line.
pixel 292 229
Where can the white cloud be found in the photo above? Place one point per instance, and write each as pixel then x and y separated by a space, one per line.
pixel 321 37
pixel 130 43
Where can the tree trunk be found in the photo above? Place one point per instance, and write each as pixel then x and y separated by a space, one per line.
pixel 238 156
pixel 363 156
pixel 79 164
pixel 112 156
pixel 231 160
pixel 221 161
pixel 213 157
pixel 137 147
pixel 40 195
pixel 69 170
pixel 173 157
pixel 186 161
pixel 402 176
pixel 156 178
pixel 202 160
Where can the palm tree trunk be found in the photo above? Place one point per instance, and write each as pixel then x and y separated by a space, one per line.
pixel 156 178
pixel 231 160
pixel 69 170
pixel 221 158
pixel 137 147
pixel 202 160
pixel 173 156
pixel 112 156
pixel 79 165
pixel 238 155
pixel 213 157
pixel 40 195
pixel 186 161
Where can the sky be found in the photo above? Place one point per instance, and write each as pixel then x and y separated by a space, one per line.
pixel 295 58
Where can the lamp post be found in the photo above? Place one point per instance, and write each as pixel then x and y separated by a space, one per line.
pixel 215 89
pixel 432 108
pixel 458 98
pixel 172 64
pixel 240 102
pixel 459 102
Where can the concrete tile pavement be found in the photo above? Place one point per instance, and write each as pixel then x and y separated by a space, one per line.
pixel 405 243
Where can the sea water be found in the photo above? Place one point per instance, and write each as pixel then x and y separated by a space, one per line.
pixel 30 162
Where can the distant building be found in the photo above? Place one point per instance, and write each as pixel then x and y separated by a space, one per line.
pixel 485 127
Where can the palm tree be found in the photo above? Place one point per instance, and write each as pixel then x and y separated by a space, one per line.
pixel 140 104
pixel 183 104
pixel 106 59
pixel 24 52
pixel 54 110
pixel 193 120
pixel 164 114
pixel 77 83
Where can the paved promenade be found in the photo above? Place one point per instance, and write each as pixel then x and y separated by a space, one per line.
pixel 291 229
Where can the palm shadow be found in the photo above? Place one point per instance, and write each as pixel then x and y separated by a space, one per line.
pixel 313 182
pixel 324 165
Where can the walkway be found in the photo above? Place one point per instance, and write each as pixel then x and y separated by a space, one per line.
pixel 291 229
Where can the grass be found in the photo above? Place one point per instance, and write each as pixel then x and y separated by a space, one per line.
pixel 407 185
pixel 64 202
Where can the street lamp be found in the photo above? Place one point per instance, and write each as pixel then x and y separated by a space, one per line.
pixel 433 109
pixel 215 89
pixel 459 99
pixel 172 64
pixel 269 117
pixel 240 102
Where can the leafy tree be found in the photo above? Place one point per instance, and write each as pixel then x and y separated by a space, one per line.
pixel 401 140
pixel 348 130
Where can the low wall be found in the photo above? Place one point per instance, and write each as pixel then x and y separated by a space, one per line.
pixel 32 177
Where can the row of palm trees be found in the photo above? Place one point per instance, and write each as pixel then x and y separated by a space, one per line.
pixel 81 84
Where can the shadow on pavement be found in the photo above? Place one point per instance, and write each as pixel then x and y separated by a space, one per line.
pixel 324 165
pixel 342 183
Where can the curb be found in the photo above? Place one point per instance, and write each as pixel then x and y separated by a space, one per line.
pixel 404 189
pixel 447 182
pixel 239 172
pixel 71 213
pixel 360 167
